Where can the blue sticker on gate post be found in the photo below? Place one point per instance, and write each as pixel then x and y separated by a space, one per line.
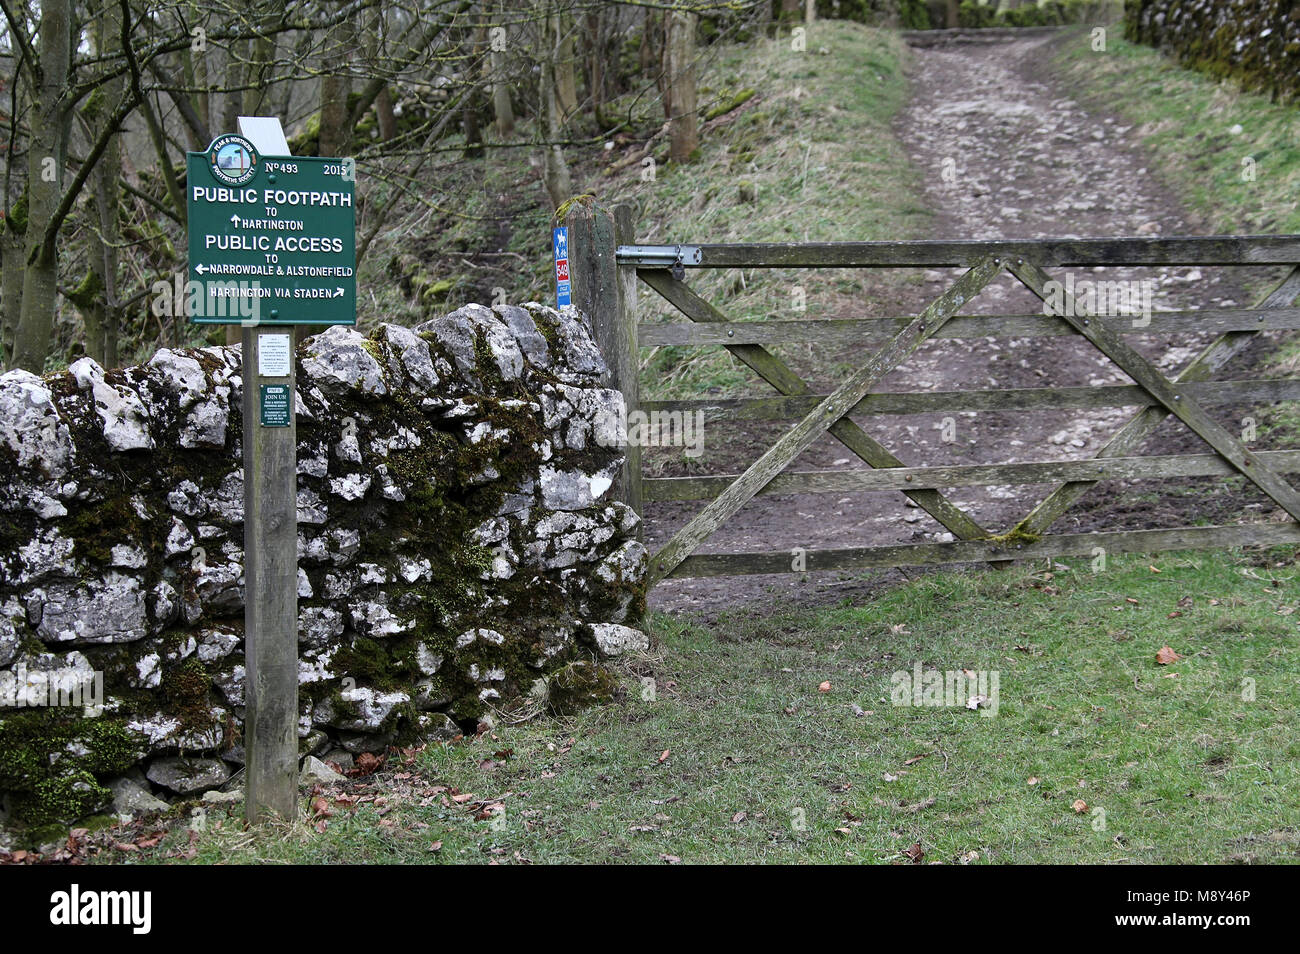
pixel 563 290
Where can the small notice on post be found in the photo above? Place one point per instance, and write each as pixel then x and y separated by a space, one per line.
pixel 274 356
pixel 563 288
pixel 275 405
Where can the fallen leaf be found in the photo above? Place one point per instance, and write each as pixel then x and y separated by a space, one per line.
pixel 919 806
pixel 1033 780
pixel 435 846
pixel 1165 656
pixel 367 763
pixel 916 758
pixel 739 817
pixel 670 859
pixel 824 687
pixel 968 858
pixel 1079 806
pixel 462 798
pixel 1129 599
pixel 915 853
pixel 320 807
pixel 663 756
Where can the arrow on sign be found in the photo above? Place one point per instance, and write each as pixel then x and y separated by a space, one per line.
pixel 200 269
pixel 234 220
pixel 338 292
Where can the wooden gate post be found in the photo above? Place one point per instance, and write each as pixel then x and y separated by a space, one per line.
pixel 606 293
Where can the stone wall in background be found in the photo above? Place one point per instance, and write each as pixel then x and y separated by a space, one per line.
pixel 458 554
pixel 1256 42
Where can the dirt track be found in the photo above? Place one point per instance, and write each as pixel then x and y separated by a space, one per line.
pixel 1006 153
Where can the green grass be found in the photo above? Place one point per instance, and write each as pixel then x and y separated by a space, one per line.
pixel 763 767
pixel 816 148
pixel 1186 119
pixel 1199 130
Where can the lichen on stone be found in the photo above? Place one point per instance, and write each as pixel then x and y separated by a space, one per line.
pixel 453 479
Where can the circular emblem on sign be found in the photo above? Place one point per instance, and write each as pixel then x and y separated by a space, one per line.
pixel 232 159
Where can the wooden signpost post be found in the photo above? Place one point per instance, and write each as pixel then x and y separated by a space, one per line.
pixel 272 243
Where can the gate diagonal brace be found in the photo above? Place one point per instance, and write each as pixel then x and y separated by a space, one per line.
pixel 1169 396
pixel 791 444
pixel 1215 356
pixel 777 373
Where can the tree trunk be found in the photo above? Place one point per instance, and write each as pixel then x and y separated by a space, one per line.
pixel 683 130
pixel 196 65
pixel 333 114
pixel 473 129
pixel 335 85
pixel 596 63
pixel 100 344
pixel 335 129
pixel 233 101
pixel 387 119
pixel 559 184
pixel 472 102
pixel 256 96
pixel 11 287
pixel 502 109
pixel 648 51
pixel 954 14
pixel 566 78
pixel 664 72
pixel 46 149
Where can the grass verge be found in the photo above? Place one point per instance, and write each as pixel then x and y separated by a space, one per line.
pixel 810 157
pixel 1232 156
pixel 1096 753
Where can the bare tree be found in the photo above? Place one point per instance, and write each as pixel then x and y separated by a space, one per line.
pixel 681 96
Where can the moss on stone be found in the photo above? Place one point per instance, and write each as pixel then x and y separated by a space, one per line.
pixel 96 529
pixel 61 799
pixel 578 686
pixel 51 762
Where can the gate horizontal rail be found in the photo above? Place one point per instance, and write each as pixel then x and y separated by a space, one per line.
pixel 607 265
pixel 987 551
pixel 1174 250
pixel 850 330
pixel 1008 399
pixel 935 476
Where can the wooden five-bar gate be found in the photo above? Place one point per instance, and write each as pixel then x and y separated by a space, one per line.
pixel 606 265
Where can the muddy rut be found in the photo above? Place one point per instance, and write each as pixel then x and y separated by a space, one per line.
pixel 1005 152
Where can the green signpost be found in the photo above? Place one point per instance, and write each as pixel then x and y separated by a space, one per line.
pixel 272 241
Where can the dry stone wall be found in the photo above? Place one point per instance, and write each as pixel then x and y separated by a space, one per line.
pixel 458 552
pixel 1256 42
